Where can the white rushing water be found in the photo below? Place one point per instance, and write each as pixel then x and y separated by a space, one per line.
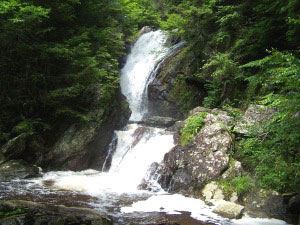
pixel 146 52
pixel 137 148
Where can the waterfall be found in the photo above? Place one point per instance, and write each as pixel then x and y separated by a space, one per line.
pixel 147 51
pixel 136 148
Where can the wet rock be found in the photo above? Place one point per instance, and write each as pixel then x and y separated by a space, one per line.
pixel 158 177
pixel 158 121
pixel 229 210
pixel 25 212
pixel 204 159
pixel 17 169
pixel 163 91
pixel 138 135
pixel 181 180
pixel 144 30
pixel 255 114
pixel 294 204
pixel 14 148
pixel 150 181
pixel 264 203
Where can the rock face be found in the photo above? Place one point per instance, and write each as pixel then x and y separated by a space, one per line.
pixel 204 159
pixel 164 91
pixel 38 214
pixel 17 169
pixel 85 146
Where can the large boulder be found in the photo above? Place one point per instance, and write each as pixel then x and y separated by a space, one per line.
pixel 264 203
pixel 25 212
pixel 17 169
pixel 188 168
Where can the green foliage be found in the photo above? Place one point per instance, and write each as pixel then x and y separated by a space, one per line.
pixel 224 75
pixel 274 154
pixel 240 185
pixel 191 127
pixel 59 59
pixel 11 213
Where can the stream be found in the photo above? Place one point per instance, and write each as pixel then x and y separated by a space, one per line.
pixel 116 191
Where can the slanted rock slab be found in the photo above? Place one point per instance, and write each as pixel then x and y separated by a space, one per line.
pixel 41 214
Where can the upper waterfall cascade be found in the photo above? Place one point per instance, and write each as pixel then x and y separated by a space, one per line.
pixel 147 51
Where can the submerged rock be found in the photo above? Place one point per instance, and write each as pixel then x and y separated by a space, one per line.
pixel 17 169
pixel 24 212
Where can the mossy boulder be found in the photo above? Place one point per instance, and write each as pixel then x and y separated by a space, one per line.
pixel 188 168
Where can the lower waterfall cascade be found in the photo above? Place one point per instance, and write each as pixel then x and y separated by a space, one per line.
pixel 116 192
